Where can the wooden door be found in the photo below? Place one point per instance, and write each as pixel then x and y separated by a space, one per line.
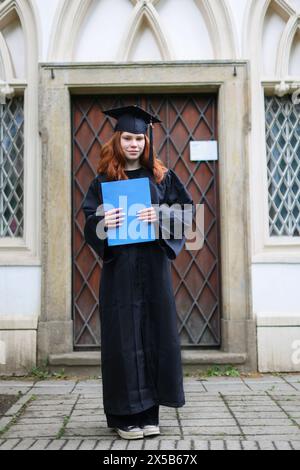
pixel 196 276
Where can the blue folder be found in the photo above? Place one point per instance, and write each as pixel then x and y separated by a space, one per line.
pixel 132 195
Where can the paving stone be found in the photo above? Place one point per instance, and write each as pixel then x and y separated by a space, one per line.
pixel 56 444
pixel 40 421
pixel 273 437
pixel 136 444
pixel 88 445
pixel 282 445
pixel 66 410
pixel 272 388
pixel 285 397
pixel 51 390
pixel 72 444
pixel 91 432
pixel 290 408
pixel 266 445
pixel 119 444
pixel 200 445
pixel 62 402
pixel 216 445
pixel 9 444
pixel 294 414
pixel 233 445
pixel 87 406
pixel 74 424
pixel 231 387
pixel 259 415
pixel 18 431
pixel 264 422
pixel 295 445
pixel 16 383
pixel 211 437
pixel 103 445
pixel 296 385
pixel 206 422
pixel 25 400
pixel 264 379
pixel 25 444
pixel 40 444
pixel 55 383
pixel 5 421
pixel 32 414
pixel 265 430
pixel 184 444
pixel 291 378
pixel 249 445
pixel 211 430
pixel 151 444
pixel 167 444
pixel 209 415
pixel 222 380
pixel 254 409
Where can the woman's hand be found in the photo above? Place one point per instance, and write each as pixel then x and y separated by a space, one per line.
pixel 114 218
pixel 147 215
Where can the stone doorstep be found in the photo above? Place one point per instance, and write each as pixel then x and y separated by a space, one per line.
pixel 189 357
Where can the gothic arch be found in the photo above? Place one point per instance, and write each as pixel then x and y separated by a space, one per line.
pixel 71 13
pixel 141 12
pixel 253 34
pixel 26 12
pixel 7 66
pixel 221 28
pixel 285 47
pixel 66 25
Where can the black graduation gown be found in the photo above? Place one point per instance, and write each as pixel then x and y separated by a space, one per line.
pixel 140 346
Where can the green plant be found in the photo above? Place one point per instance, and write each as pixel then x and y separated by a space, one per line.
pixel 60 374
pixel 61 432
pixel 40 373
pixel 228 371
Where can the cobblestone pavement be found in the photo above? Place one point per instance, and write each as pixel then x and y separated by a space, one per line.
pixel 220 414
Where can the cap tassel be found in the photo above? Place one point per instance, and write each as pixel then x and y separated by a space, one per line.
pixel 151 161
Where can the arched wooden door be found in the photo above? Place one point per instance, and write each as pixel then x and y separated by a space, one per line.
pixel 196 276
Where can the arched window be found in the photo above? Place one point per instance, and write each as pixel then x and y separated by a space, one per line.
pixel 19 167
pixel 281 60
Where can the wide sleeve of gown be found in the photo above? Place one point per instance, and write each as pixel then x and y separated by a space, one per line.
pixel 179 207
pixel 92 201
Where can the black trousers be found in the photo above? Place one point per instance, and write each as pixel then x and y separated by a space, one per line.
pixel 150 416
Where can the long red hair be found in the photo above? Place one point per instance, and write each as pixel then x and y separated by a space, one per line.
pixel 112 160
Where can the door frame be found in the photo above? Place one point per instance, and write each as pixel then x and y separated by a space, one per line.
pixel 230 79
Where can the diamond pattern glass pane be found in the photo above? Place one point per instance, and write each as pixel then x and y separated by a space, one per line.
pixel 11 168
pixel 283 165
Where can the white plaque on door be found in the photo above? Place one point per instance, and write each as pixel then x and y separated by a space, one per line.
pixel 203 150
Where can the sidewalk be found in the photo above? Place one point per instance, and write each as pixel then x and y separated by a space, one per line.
pixel 220 413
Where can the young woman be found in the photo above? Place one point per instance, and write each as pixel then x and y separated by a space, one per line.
pixel 140 346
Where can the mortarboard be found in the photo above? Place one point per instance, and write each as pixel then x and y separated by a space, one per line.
pixel 135 120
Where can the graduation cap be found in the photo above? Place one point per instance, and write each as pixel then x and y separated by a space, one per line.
pixel 135 120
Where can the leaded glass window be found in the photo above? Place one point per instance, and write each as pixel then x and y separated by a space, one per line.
pixel 283 164
pixel 12 168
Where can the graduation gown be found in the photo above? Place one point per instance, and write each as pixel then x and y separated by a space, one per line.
pixel 140 346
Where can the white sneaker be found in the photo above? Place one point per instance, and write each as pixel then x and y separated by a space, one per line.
pixel 130 432
pixel 150 430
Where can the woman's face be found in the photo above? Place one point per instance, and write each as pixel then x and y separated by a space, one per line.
pixel 133 145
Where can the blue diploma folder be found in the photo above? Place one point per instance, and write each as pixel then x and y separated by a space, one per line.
pixel 132 195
